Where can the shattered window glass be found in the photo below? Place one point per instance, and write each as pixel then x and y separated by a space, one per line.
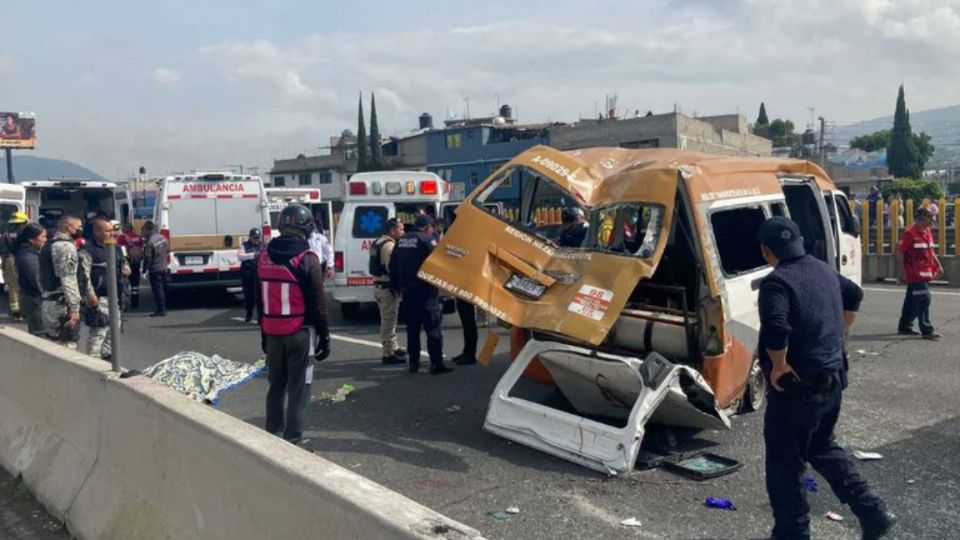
pixel 548 211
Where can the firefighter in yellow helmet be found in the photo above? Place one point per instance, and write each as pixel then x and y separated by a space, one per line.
pixel 8 253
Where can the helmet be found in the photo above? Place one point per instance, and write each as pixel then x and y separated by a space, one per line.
pixel 18 218
pixel 254 233
pixel 296 216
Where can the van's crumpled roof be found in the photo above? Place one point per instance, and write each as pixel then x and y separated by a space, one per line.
pixel 605 175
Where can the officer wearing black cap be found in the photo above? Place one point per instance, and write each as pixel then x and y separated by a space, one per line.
pixel 805 309
pixel 420 300
pixel 248 254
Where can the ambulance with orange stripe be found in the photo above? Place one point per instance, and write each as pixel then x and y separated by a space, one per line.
pixel 370 200
pixel 206 216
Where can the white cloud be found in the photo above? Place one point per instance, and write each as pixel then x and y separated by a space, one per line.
pixel 166 77
pixel 260 99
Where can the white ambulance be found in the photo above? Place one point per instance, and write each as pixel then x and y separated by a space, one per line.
pixel 371 199
pixel 205 216
pixel 47 200
pixel 279 198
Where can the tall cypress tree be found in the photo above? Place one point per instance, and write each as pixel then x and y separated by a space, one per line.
pixel 363 158
pixel 762 119
pixel 903 157
pixel 376 149
pixel 762 126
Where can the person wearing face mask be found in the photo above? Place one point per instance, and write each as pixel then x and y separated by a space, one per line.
pixel 60 307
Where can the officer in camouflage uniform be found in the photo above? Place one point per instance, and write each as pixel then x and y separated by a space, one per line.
pixel 58 278
pixel 93 275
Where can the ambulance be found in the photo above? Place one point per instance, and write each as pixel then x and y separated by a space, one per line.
pixel 279 198
pixel 47 200
pixel 12 199
pixel 370 200
pixel 653 318
pixel 205 216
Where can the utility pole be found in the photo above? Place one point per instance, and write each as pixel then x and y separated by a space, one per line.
pixel 822 152
pixel 9 155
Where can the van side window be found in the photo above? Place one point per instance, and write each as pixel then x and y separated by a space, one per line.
pixel 735 234
pixel 368 221
pixel 778 209
pixel 846 217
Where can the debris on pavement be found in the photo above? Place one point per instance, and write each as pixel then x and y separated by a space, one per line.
pixel 631 522
pixel 866 456
pixel 719 503
pixel 513 510
pixel 864 352
pixel 833 516
pixel 453 409
pixel 703 466
pixel 499 515
pixel 911 481
pixel 810 483
pixel 202 377
pixel 341 394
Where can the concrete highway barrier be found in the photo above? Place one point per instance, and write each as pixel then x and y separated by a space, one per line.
pixel 129 458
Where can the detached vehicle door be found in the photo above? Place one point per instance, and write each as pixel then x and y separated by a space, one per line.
pixel 513 270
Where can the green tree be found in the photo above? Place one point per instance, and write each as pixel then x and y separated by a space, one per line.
pixel 878 140
pixel 903 157
pixel 376 147
pixel 782 134
pixel 762 125
pixel 910 188
pixel 363 159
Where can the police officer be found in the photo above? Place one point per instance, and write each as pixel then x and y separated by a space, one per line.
pixel 155 252
pixel 293 320
pixel 248 254
pixel 388 300
pixel 58 278
pixel 805 308
pixel 8 244
pixel 93 263
pixel 421 300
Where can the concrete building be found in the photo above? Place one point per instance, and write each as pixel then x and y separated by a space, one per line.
pixel 726 134
pixel 328 172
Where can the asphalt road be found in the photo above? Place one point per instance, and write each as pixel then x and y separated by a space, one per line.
pixel 396 429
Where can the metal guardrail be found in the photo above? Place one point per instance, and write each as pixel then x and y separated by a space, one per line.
pixel 883 234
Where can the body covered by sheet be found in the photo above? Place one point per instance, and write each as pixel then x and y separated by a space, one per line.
pixel 202 377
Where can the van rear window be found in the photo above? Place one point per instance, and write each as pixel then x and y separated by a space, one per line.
pixel 368 221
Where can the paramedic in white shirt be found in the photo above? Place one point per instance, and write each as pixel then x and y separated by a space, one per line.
pixel 321 246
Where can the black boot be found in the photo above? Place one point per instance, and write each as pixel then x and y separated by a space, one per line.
pixel 440 369
pixel 877 525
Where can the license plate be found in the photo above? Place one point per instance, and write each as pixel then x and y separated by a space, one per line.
pixel 193 261
pixel 525 286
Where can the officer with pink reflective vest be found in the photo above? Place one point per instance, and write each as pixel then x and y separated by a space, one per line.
pixel 293 320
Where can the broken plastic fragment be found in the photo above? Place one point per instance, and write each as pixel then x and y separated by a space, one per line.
pixel 833 516
pixel 810 483
pixel 866 456
pixel 453 409
pixel 911 481
pixel 342 394
pixel 500 516
pixel 631 522
pixel 513 510
pixel 719 502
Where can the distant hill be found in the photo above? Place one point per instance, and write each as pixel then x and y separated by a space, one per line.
pixel 27 168
pixel 943 126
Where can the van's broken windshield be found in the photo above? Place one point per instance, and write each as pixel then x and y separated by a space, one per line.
pixel 547 211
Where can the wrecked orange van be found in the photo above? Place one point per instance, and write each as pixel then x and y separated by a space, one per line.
pixel 667 264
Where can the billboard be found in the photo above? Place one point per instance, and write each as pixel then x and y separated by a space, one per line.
pixel 18 130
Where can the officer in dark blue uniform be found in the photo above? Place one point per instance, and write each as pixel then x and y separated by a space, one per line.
pixel 805 309
pixel 420 300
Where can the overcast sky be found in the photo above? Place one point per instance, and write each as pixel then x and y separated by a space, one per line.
pixel 185 84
